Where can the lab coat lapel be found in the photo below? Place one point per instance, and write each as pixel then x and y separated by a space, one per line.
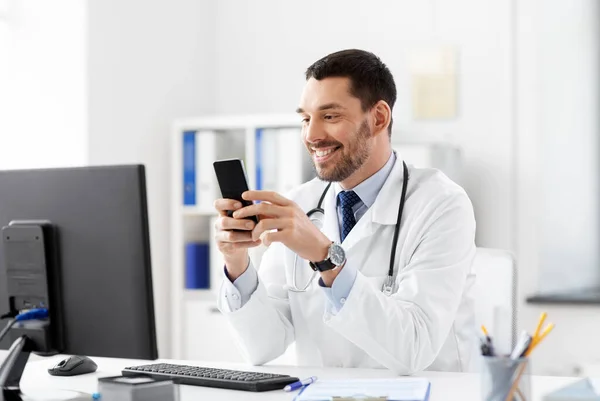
pixel 330 223
pixel 362 229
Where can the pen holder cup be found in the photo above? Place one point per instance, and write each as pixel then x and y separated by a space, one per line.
pixel 505 379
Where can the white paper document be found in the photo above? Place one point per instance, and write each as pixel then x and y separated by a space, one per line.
pixel 595 383
pixel 398 389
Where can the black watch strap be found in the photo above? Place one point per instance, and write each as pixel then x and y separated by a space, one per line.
pixel 322 266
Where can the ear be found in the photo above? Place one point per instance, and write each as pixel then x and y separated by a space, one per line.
pixel 382 115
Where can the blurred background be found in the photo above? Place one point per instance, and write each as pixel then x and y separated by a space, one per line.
pixel 508 90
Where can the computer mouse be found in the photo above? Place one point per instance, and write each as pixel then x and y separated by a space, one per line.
pixel 73 366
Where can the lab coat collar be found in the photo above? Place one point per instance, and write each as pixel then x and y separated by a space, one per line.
pixel 330 223
pixel 385 208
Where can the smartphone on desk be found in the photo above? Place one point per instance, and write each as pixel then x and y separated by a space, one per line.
pixel 233 181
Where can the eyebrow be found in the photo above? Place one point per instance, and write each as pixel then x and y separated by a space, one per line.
pixel 326 106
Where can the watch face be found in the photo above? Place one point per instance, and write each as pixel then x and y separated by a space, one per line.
pixel 337 254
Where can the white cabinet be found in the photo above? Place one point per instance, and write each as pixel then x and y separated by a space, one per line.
pixel 206 334
pixel 198 330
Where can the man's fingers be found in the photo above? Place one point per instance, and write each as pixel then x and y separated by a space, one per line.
pixel 223 205
pixel 269 224
pixel 263 208
pixel 232 246
pixel 229 223
pixel 266 196
pixel 273 236
pixel 233 236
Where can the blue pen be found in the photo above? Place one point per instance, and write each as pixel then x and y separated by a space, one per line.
pixel 301 383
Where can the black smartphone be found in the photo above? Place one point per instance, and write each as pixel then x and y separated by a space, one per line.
pixel 233 181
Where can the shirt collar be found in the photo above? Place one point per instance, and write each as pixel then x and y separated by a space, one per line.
pixel 368 190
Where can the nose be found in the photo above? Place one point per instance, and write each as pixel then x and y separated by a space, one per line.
pixel 313 132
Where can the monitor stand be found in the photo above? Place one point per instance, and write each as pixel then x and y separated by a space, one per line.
pixel 12 369
pixel 11 372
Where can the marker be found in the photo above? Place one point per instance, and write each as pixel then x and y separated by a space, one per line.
pixel 487 349
pixel 485 332
pixel 522 345
pixel 301 383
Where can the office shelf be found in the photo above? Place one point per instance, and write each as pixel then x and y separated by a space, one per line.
pixel 199 331
pixel 590 296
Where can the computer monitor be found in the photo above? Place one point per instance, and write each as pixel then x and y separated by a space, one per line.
pixel 100 217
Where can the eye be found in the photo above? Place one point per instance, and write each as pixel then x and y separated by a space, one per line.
pixel 330 116
pixel 304 120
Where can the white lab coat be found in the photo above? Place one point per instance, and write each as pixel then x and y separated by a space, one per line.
pixel 427 323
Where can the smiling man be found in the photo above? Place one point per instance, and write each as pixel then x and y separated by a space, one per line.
pixel 385 282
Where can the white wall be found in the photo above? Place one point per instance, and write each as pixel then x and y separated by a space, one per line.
pixel 42 84
pixel 557 159
pixel 149 62
pixel 569 47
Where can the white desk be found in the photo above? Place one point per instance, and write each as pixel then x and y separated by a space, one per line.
pixel 444 386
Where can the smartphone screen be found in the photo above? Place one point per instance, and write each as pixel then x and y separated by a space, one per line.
pixel 233 181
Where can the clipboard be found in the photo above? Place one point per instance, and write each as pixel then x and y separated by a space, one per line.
pixel 394 389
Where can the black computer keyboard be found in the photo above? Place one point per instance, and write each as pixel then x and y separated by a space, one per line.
pixel 212 377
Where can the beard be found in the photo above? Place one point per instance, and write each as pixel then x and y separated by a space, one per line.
pixel 349 158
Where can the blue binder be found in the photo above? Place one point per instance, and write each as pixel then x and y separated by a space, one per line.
pixel 258 155
pixel 189 168
pixel 197 266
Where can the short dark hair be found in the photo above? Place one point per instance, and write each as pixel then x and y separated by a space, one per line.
pixel 370 79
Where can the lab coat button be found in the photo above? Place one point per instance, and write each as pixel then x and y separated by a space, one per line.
pixel 235 297
pixel 343 301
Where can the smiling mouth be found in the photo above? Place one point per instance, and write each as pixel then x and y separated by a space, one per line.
pixel 324 154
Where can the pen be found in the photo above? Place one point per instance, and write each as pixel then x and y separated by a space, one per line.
pixel 301 383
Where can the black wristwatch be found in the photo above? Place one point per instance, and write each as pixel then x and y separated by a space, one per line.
pixel 336 256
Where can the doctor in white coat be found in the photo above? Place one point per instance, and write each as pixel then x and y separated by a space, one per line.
pixel 325 288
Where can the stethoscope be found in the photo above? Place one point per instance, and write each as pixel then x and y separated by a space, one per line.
pixel 388 285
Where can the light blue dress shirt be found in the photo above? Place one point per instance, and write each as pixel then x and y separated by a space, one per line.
pixel 239 292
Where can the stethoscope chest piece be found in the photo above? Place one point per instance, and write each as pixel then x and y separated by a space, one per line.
pixel 388 286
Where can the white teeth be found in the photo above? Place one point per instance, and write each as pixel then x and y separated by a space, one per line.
pixel 321 153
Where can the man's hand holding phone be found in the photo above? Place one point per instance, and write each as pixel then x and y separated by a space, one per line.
pixel 234 237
